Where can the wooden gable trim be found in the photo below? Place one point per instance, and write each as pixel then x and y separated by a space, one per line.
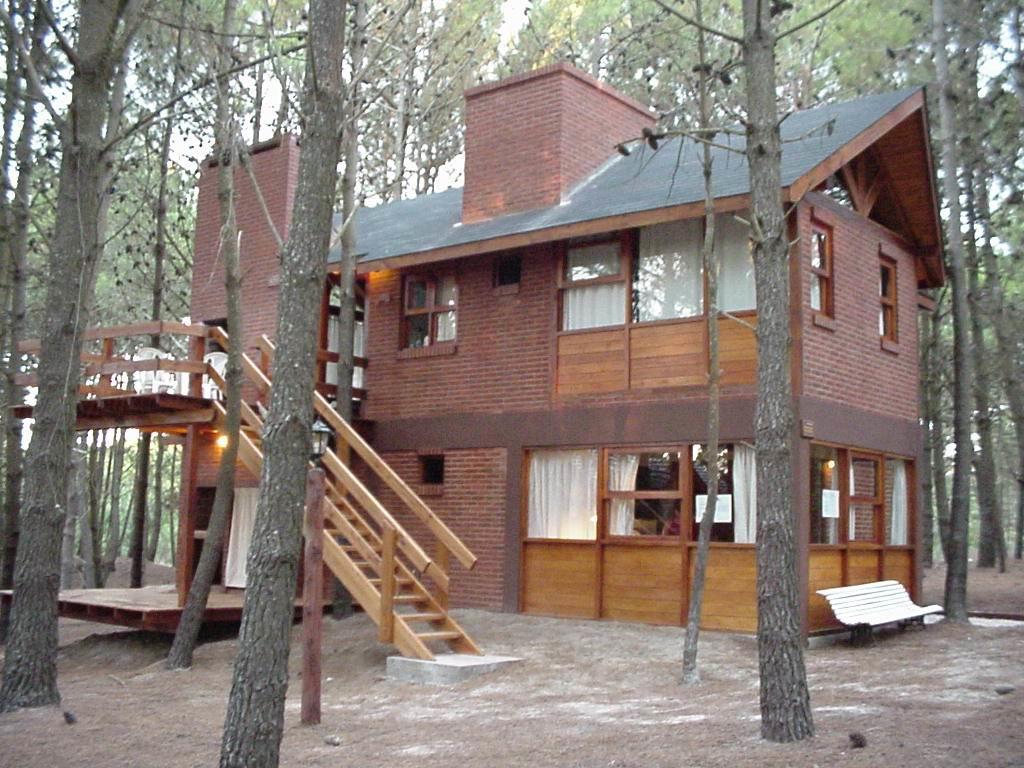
pixel 834 162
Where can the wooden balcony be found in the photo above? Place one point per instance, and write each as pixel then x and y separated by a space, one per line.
pixel 155 376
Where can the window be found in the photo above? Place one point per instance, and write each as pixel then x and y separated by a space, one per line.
pixel 864 498
pixel 562 502
pixel 432 470
pixel 821 269
pixel 430 308
pixel 668 276
pixel 735 517
pixel 887 294
pixel 507 270
pixel 736 290
pixel 644 496
pixel 594 287
pixel 824 496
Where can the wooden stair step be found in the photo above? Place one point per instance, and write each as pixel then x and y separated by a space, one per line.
pixel 412 599
pixel 421 616
pixel 428 637
pixel 400 580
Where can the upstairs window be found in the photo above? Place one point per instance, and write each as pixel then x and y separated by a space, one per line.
pixel 429 311
pixel 887 295
pixel 593 286
pixel 668 276
pixel 735 257
pixel 507 270
pixel 821 269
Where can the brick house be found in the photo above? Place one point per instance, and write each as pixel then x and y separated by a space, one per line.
pixel 536 353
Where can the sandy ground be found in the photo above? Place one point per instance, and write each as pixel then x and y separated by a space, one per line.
pixel 594 694
pixel 988 591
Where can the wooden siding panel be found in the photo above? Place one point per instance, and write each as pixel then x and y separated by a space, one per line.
pixel 643 583
pixel 730 595
pixel 898 564
pixel 560 579
pixel 863 567
pixel 737 350
pixel 592 362
pixel 825 568
pixel 668 356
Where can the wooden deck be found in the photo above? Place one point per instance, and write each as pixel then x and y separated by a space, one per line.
pixel 156 411
pixel 151 608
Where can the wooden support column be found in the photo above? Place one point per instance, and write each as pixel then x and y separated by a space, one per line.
pixel 183 567
pixel 443 559
pixel 387 586
pixel 313 597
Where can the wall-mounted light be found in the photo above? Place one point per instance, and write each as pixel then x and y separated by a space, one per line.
pixel 831 463
pixel 321 434
pixel 221 441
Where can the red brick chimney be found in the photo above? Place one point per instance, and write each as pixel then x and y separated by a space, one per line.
pixel 275 165
pixel 531 137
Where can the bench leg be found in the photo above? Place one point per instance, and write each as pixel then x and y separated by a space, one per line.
pixel 862 635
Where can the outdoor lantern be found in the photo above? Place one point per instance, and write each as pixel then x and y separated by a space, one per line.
pixel 321 434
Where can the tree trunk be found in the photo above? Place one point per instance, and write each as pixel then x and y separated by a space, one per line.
pixel 156 511
pixel 139 498
pixel 255 715
pixel 991 544
pixel 30 663
pixel 691 672
pixel 956 565
pixel 927 480
pixel 15 249
pixel 86 523
pixel 342 607
pixel 76 511
pixel 785 700
pixel 180 655
pixel 113 542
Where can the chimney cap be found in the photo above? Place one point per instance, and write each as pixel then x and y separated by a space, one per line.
pixel 560 68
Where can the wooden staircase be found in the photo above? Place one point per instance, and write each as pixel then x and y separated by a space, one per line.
pixel 402 588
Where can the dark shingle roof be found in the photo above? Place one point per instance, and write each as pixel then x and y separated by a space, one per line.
pixel 643 181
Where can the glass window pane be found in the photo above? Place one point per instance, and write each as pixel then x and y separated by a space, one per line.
pixel 864 477
pixel 824 495
pixel 816 292
pixel 417 294
pixel 736 290
pixel 658 471
pixel 644 517
pixel 587 262
pixel 862 522
pixel 562 495
pixel 418 331
pixel 594 306
pixel 884 282
pixel 896 503
pixel 818 246
pixel 447 292
pixel 446 326
pixel 668 278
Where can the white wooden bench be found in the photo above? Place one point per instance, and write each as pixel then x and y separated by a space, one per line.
pixel 864 606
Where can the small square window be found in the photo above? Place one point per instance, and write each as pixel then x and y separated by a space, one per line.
pixel 507 270
pixel 432 470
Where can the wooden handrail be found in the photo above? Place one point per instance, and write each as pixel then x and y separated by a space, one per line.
pixel 151 328
pixel 391 478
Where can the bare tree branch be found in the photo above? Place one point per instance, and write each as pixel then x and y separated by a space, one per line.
pixel 808 22
pixel 694 23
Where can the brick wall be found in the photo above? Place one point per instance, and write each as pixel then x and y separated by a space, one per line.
pixel 847 364
pixel 472 503
pixel 531 137
pixel 275 168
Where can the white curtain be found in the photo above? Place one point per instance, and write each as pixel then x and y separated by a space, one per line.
pixel 622 469
pixel 243 517
pixel 670 274
pixel 333 345
pixel 594 306
pixel 744 494
pixel 563 495
pixel 898 509
pixel 736 264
